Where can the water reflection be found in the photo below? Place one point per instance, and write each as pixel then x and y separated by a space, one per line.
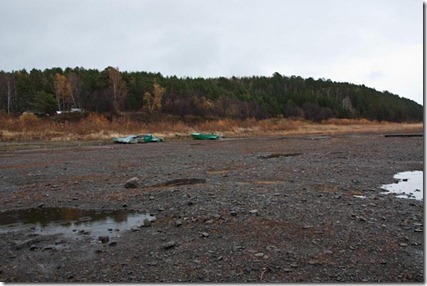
pixel 71 221
pixel 409 185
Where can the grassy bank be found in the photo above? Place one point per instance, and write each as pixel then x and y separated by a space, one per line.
pixel 28 127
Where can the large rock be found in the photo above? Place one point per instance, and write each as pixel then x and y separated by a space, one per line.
pixel 132 183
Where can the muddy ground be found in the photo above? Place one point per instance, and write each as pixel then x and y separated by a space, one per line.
pixel 278 209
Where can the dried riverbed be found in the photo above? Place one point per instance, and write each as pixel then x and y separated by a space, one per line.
pixel 281 209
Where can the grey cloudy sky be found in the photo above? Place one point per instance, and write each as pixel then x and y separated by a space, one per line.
pixel 378 43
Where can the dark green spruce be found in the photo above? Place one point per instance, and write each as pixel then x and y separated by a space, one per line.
pixel 258 97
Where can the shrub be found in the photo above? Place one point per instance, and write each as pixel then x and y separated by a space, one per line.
pixel 28 120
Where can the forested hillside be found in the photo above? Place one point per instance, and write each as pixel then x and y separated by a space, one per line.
pixel 114 92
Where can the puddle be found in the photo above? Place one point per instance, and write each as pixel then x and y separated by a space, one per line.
pixel 72 222
pixel 409 185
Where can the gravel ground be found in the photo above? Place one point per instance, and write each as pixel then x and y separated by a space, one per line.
pixel 277 209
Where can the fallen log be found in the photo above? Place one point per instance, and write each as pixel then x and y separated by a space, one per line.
pixel 404 135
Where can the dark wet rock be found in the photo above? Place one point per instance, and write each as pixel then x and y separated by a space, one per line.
pixel 132 183
pixel 84 232
pixel 60 241
pixel 49 247
pixel 146 222
pixel 104 239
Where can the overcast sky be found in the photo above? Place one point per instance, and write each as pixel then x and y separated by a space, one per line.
pixel 378 43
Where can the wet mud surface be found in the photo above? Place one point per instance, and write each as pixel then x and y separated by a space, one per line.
pixel 277 209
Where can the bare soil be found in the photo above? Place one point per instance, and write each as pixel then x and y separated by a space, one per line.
pixel 301 208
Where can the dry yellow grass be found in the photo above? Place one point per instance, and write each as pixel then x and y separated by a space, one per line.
pixel 96 127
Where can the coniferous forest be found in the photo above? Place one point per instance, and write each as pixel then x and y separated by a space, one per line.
pixel 115 92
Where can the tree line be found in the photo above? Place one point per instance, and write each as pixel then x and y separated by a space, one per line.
pixel 115 92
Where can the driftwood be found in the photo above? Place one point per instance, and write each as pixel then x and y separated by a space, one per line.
pixel 404 135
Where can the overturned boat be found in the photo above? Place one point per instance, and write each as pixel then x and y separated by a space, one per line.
pixel 204 136
pixel 134 139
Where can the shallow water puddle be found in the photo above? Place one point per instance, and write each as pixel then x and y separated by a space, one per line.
pixel 409 185
pixel 72 222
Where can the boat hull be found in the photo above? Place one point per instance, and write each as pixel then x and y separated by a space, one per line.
pixel 204 136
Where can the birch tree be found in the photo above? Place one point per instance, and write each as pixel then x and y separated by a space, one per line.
pixel 118 87
pixel 154 101
pixel 63 92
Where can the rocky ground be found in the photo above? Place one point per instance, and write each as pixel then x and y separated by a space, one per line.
pixel 278 209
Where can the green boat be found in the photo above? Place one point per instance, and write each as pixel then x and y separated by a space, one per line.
pixel 148 138
pixel 204 136
pixel 134 139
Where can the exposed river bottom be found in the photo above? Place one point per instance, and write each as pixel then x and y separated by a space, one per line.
pixel 288 209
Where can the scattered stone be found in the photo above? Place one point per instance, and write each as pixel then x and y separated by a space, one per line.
pixel 84 232
pixel 327 251
pixel 178 223
pixel 60 241
pixel 132 183
pixel 113 243
pixel 272 248
pixel 205 234
pixel 259 254
pixel 254 212
pixel 146 222
pixel 104 239
pixel 169 244
pixel 28 242
pixel 233 213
